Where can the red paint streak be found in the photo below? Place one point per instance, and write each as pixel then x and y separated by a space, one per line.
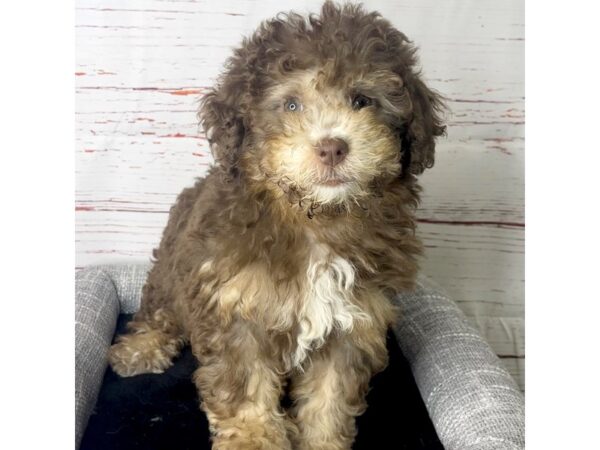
pixel 472 223
pixel 502 149
pixel 137 210
pixel 89 150
pixel 112 200
pixel 198 154
pixel 152 88
pixel 178 135
pixel 185 92
pixel 491 122
pixel 463 100
pixel 138 10
pixel 79 74
pixel 499 139
pixel 85 208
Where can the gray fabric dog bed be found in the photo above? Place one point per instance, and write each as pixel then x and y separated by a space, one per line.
pixel 473 402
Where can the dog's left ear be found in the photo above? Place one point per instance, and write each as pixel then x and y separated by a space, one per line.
pixel 221 114
pixel 423 127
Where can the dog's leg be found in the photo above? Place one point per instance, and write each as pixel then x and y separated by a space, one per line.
pixel 149 346
pixel 240 388
pixel 331 391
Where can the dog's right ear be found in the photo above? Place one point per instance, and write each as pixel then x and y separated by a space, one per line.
pixel 424 126
pixel 221 115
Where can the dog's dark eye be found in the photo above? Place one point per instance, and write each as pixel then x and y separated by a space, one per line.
pixel 360 101
pixel 293 105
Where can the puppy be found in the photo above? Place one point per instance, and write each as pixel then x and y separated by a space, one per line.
pixel 279 265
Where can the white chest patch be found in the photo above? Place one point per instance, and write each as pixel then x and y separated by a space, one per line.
pixel 327 302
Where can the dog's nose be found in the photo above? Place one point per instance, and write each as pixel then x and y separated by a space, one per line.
pixel 331 151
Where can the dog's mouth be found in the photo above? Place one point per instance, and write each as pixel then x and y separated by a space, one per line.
pixel 332 179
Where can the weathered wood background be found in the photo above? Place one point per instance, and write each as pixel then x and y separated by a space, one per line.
pixel 143 65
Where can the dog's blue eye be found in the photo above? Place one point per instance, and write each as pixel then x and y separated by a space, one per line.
pixel 360 101
pixel 293 105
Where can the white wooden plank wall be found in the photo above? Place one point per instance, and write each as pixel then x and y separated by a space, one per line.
pixel 142 66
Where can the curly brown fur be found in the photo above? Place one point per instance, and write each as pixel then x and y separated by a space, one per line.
pixel 279 264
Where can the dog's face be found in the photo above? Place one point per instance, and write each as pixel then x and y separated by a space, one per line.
pixel 325 112
pixel 327 137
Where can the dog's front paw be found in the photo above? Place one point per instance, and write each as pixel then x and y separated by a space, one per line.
pixel 252 435
pixel 128 360
pixel 239 443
